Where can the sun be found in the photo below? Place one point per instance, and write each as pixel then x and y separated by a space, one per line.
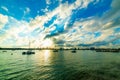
pixel 47 43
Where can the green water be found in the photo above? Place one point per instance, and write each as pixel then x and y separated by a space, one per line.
pixel 61 65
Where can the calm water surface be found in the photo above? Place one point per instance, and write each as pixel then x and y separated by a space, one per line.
pixel 61 65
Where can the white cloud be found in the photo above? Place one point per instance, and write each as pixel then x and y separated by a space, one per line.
pixel 3 20
pixel 27 10
pixel 84 3
pixel 38 22
pixel 92 25
pixel 48 2
pixel 12 35
pixel 63 12
pixel 5 8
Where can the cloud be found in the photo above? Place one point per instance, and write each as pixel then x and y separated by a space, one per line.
pixel 13 32
pixel 95 24
pixel 114 12
pixel 86 30
pixel 5 8
pixel 111 18
pixel 18 33
pixel 64 12
pixel 69 22
pixel 3 20
pixel 48 2
pixel 27 10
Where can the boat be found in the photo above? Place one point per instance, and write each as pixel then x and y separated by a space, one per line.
pixel 29 51
pixel 4 51
pixel 55 50
pixel 73 51
pixel 107 50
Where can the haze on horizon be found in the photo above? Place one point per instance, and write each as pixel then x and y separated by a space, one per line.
pixel 47 23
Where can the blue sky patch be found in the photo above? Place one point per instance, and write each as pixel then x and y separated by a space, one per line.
pixel 97 34
pixel 47 24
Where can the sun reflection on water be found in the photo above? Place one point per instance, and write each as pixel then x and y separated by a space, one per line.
pixel 43 57
pixel 47 54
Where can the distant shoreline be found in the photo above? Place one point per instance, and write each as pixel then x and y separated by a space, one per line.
pixel 116 50
pixel 97 49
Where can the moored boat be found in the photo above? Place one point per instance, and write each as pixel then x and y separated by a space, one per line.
pixel 55 50
pixel 28 52
pixel 73 51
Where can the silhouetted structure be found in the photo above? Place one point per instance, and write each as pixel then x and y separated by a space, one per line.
pixel 29 51
pixel 73 51
pixel 55 50
pixel 68 48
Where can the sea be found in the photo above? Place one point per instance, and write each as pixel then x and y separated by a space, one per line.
pixel 61 65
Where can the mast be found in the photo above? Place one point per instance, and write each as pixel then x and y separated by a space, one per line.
pixel 29 44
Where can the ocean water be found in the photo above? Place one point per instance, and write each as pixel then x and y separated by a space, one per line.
pixel 61 65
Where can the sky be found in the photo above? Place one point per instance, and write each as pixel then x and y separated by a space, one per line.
pixel 51 23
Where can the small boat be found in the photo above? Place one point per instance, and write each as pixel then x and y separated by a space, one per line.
pixel 28 52
pixel 73 51
pixel 55 50
pixel 4 51
pixel 100 50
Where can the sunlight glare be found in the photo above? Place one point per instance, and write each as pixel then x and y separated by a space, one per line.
pixel 48 43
